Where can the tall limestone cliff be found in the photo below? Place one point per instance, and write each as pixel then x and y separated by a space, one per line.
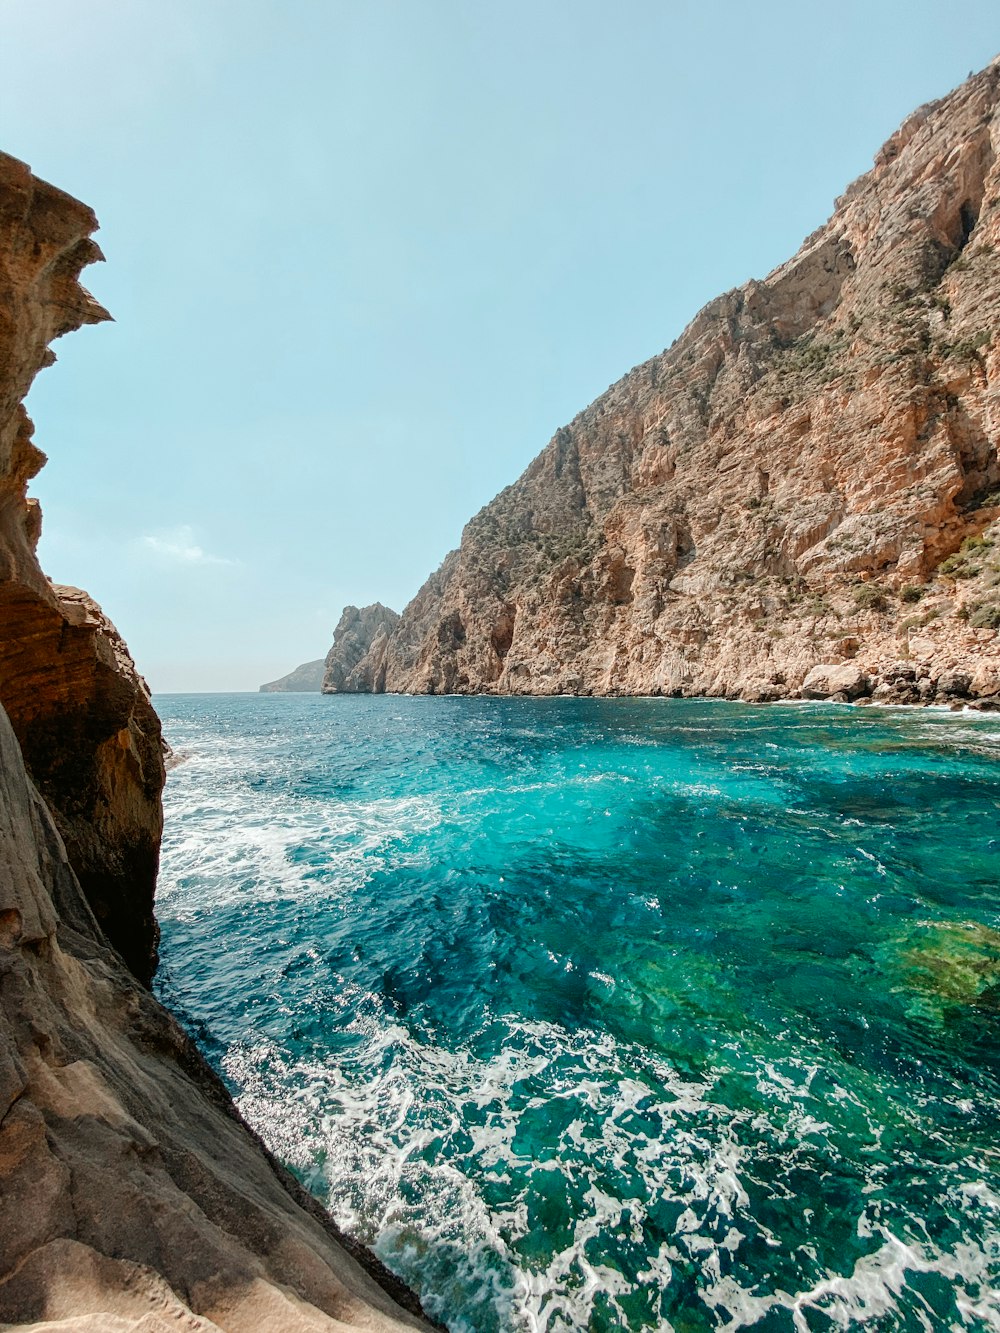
pixel 358 641
pixel 132 1196
pixel 802 492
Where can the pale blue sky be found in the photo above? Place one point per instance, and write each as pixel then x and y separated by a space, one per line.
pixel 365 257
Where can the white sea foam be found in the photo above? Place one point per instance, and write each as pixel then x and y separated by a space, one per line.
pixel 233 841
pixel 871 1291
pixel 420 1151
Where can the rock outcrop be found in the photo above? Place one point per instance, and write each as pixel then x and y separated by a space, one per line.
pixel 807 477
pixel 359 643
pixel 305 679
pixel 77 704
pixel 132 1196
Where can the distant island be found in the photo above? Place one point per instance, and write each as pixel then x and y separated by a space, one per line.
pixel 305 679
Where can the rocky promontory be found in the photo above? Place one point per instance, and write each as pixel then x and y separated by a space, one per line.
pixel 132 1195
pixel 359 642
pixel 800 496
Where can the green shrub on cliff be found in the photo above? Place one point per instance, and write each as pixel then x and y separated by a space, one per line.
pixel 868 597
pixel 985 617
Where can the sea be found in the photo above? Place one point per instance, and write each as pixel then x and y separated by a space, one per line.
pixel 609 1014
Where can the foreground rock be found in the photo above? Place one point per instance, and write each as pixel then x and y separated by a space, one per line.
pixel 353 664
pixel 131 1194
pixel 305 679
pixel 79 707
pixel 807 477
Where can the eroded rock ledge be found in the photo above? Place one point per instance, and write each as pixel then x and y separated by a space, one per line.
pixel 132 1195
pixel 808 476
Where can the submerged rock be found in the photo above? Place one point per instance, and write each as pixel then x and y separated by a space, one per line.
pixel 952 965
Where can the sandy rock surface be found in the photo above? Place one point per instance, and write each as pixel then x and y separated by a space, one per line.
pixel 131 1194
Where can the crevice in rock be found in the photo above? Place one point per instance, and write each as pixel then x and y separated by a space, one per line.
pixel 977 458
pixel 685 546
pixel 451 631
pixel 503 631
pixel 968 216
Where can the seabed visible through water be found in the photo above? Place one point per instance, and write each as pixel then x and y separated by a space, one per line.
pixel 609 1014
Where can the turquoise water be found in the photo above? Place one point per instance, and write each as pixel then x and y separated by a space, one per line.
pixel 609 1014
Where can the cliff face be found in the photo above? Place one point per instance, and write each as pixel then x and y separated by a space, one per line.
pixel 359 642
pixel 79 708
pixel 132 1196
pixel 307 678
pixel 808 476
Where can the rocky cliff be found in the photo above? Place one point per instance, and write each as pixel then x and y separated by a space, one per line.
pixel 132 1196
pixel 79 708
pixel 359 643
pixel 807 478
pixel 307 678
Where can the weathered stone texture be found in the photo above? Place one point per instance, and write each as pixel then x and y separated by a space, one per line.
pixel 353 664
pixel 80 709
pixel 132 1197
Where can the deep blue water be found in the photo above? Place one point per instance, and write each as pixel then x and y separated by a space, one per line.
pixel 620 1014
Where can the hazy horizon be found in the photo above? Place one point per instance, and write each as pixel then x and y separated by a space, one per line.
pixel 364 264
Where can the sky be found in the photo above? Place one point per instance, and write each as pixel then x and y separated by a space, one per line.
pixel 365 258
